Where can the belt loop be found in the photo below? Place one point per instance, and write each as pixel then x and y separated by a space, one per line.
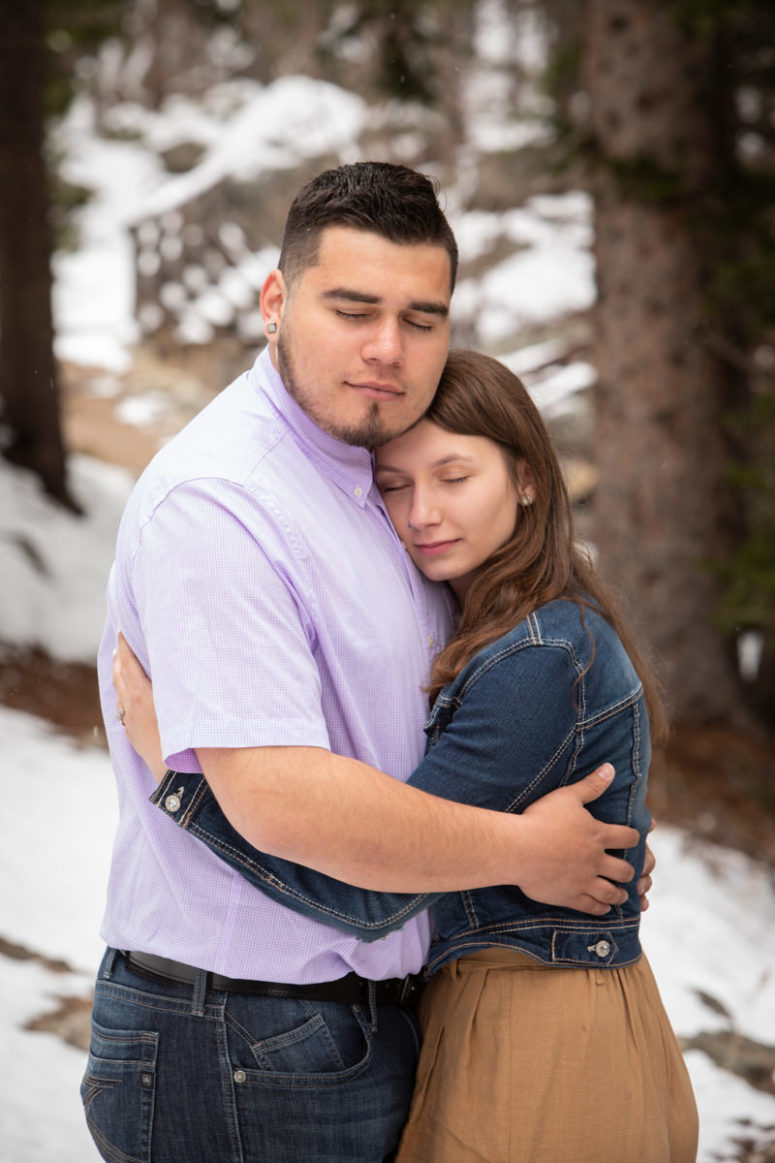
pixel 200 989
pixel 108 963
pixel 372 994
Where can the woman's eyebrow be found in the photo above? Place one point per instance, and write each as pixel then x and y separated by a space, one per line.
pixel 453 458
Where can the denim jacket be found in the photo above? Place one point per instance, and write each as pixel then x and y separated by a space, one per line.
pixel 537 709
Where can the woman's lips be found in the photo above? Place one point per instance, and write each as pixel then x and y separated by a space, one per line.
pixel 434 548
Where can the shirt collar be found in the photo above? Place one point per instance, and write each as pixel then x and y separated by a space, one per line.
pixel 348 466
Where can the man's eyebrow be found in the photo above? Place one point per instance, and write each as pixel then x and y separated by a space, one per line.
pixel 351 296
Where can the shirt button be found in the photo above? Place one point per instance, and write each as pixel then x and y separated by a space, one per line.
pixel 172 803
pixel 358 491
pixel 430 640
pixel 603 948
pixel 239 1075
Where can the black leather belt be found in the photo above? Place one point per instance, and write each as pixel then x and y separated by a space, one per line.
pixel 352 989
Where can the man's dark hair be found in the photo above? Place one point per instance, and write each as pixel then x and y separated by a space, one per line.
pixel 393 201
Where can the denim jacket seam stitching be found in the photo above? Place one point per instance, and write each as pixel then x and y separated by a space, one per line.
pixel 506 652
pixel 280 886
pixel 613 709
pixel 561 925
pixel 196 799
pixel 541 775
pixel 635 761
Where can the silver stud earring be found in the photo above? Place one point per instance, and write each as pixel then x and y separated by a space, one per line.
pixel 271 328
pixel 526 501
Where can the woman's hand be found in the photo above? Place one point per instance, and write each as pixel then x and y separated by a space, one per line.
pixel 135 699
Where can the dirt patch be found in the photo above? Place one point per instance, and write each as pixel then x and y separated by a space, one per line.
pixel 719 784
pixel 125 418
pixel 71 1017
pixel 64 693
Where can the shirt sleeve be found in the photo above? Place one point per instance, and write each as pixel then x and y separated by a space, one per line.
pixel 509 742
pixel 229 632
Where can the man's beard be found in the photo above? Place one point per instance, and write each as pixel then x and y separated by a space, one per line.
pixel 369 433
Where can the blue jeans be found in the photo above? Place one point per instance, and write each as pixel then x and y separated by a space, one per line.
pixel 182 1072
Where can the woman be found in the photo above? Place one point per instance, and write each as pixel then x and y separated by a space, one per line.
pixel 544 1036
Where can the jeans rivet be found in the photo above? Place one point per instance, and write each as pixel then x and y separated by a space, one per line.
pixel 146 1080
pixel 239 1075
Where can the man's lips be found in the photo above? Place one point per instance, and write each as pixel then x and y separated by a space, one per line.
pixel 373 390
pixel 434 548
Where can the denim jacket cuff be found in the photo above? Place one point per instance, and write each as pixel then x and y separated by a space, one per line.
pixel 178 795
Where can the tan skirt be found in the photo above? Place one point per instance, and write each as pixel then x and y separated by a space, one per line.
pixel 526 1064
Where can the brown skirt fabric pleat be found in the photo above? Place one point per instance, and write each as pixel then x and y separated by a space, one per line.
pixel 527 1064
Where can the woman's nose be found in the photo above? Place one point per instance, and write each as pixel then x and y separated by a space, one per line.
pixel 424 512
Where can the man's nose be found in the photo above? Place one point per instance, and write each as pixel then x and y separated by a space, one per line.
pixel 384 344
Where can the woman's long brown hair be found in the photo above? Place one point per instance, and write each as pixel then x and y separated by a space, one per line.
pixel 478 396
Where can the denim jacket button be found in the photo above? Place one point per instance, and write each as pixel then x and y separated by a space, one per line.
pixel 240 1076
pixel 602 948
pixel 172 803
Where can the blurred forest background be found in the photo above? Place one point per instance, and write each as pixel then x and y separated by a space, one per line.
pixel 661 112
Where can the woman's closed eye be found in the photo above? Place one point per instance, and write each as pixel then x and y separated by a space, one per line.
pixel 392 486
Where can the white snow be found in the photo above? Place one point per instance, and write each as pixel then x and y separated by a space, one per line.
pixel 711 927
pixel 54 565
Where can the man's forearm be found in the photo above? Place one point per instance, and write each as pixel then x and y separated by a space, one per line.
pixel 347 819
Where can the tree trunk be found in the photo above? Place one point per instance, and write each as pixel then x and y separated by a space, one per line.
pixel 660 510
pixel 28 379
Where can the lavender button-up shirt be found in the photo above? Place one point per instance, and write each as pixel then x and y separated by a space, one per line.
pixel 263 588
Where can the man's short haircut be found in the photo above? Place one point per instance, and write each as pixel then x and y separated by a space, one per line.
pixel 393 201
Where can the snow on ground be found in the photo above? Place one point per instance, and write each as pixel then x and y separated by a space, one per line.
pixel 59 811
pixel 53 564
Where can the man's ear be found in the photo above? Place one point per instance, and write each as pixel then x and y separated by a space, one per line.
pixel 273 296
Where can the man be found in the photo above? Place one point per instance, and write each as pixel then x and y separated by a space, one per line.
pixel 288 639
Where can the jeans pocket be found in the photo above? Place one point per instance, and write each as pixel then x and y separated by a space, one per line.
pixel 299 1041
pixel 118 1092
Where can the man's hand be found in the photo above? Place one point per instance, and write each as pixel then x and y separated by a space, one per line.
pixel 565 849
pixel 645 881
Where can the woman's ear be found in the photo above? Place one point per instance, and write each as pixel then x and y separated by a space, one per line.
pixel 526 482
